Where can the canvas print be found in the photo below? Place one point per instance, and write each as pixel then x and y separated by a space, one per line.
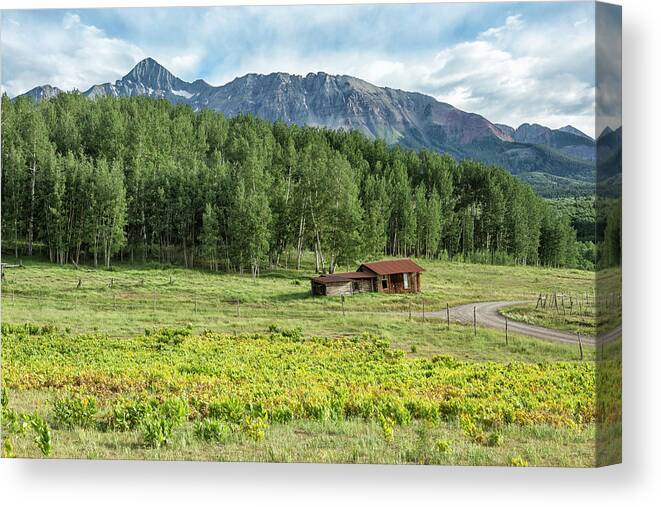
pixel 333 234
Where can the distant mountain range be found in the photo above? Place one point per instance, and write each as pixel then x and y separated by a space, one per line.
pixel 553 161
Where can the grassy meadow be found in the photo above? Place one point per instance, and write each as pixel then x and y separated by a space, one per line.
pixel 143 297
pixel 575 321
pixel 151 362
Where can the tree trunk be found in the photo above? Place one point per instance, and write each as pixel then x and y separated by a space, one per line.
pixel 33 183
pixel 301 230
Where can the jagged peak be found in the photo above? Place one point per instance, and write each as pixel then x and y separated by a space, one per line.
pixel 149 72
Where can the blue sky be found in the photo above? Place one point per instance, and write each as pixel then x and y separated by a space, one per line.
pixel 511 62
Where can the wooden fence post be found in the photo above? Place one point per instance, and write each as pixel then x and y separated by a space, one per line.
pixel 506 337
pixel 238 307
pixel 423 310
pixel 409 309
pixel 447 311
pixel 343 314
pixel 475 321
pixel 580 344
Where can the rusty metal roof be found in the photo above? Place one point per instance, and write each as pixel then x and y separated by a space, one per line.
pixel 342 277
pixel 354 275
pixel 392 267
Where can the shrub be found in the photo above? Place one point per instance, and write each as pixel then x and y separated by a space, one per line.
pixel 394 409
pixel 255 427
pixel 443 446
pixel 230 410
pixel 174 409
pixel 76 412
pixel 282 414
pixel 518 461
pixel 212 430
pixel 495 439
pixel 127 415
pixel 317 408
pixel 471 430
pixel 294 333
pixel 172 336
pixel 423 410
pixel 157 430
pixel 387 427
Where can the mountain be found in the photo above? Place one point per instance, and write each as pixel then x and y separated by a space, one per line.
pixel 43 92
pixel 573 130
pixel 411 119
pixel 568 140
pixel 609 163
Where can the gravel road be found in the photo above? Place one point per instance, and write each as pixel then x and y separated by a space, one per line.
pixel 488 315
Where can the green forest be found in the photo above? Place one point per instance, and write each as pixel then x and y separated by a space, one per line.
pixel 138 179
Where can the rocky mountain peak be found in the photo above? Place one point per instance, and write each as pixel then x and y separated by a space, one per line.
pixel 44 92
pixel 150 73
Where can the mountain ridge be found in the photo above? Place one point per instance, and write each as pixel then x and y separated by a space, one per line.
pixel 411 119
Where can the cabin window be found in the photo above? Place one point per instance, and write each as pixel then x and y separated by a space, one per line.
pixel 384 282
pixel 406 280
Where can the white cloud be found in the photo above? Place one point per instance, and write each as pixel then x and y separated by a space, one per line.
pixel 513 73
pixel 520 70
pixel 511 23
pixel 69 55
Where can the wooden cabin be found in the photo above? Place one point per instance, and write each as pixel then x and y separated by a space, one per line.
pixel 390 276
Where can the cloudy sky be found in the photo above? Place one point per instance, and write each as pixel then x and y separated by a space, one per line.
pixel 511 62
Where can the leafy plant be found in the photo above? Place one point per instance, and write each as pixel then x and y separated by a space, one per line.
pixel 518 461
pixel 174 409
pixel 43 438
pixel 443 446
pixel 157 430
pixel 255 427
pixel 8 448
pixel 495 439
pixel 472 430
pixel 387 428
pixel 230 410
pixel 282 414
pixel 74 412
pixel 213 430
pixel 127 415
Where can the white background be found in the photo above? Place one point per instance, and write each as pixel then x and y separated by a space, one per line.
pixel 636 482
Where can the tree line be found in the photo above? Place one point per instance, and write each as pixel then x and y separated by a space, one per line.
pixel 142 179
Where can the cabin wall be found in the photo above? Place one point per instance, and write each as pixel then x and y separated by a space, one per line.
pixel 337 289
pixel 318 289
pixel 362 285
pixel 396 283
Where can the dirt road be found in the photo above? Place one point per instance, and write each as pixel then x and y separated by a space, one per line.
pixel 488 315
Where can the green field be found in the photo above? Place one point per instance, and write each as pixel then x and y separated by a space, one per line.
pixel 350 400
pixel 144 297
pixel 158 352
